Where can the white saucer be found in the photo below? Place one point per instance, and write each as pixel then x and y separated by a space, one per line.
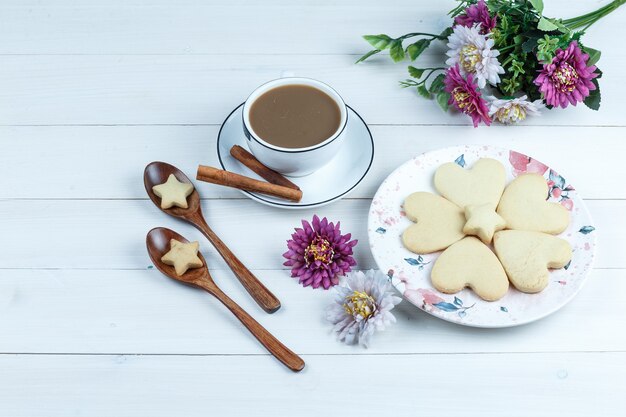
pixel 331 182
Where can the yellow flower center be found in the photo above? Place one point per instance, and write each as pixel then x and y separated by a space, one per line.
pixel 359 303
pixel 463 100
pixel 469 56
pixel 515 112
pixel 565 78
pixel 319 250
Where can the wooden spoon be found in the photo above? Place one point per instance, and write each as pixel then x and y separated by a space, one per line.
pixel 157 173
pixel 158 243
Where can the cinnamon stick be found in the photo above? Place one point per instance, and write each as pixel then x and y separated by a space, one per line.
pixel 230 179
pixel 255 165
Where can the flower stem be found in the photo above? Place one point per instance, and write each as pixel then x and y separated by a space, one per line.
pixel 506 48
pixel 411 35
pixel 432 70
pixel 508 60
pixel 459 8
pixel 586 20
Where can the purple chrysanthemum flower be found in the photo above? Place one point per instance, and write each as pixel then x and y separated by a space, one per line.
pixel 477 13
pixel 318 253
pixel 465 96
pixel 567 79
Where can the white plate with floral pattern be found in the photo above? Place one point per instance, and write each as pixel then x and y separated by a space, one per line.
pixel 410 273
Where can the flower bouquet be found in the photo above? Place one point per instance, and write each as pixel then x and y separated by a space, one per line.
pixel 506 61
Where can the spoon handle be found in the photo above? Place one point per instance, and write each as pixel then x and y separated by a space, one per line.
pixel 273 345
pixel 255 288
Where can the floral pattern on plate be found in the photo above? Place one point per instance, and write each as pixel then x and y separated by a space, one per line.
pixel 410 273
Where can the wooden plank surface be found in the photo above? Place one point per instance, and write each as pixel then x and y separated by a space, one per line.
pixel 203 89
pixel 273 27
pixel 90 92
pixel 143 312
pixel 112 157
pixel 563 384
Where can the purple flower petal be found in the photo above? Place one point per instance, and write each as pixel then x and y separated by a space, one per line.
pixel 567 79
pixel 318 253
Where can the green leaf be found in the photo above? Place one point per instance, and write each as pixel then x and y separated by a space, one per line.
pixel 415 49
pixel 594 55
pixel 446 32
pixel 576 36
pixel 396 51
pixel 416 72
pixel 442 100
pixel 538 5
pixel 378 41
pixel 367 55
pixel 546 25
pixel 423 91
pixel 562 28
pixel 529 45
pixel 593 99
pixel 438 85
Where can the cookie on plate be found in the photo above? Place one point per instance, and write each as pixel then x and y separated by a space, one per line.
pixel 481 184
pixel 470 263
pixel 524 207
pixel 483 221
pixel 438 223
pixel 527 257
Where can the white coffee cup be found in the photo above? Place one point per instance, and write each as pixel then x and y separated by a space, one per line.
pixel 295 162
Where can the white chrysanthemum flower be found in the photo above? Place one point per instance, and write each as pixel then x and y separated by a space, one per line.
pixel 362 305
pixel 513 110
pixel 474 54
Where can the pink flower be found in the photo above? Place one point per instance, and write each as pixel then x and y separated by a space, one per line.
pixel 567 79
pixel 465 96
pixel 556 192
pixel 430 297
pixel 522 164
pixel 477 13
pixel 318 253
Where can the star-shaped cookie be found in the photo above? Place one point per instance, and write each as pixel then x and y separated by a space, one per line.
pixel 182 256
pixel 482 221
pixel 173 192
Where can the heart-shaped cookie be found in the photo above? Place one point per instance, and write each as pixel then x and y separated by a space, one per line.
pixel 439 223
pixel 524 207
pixel 528 256
pixel 483 184
pixel 470 263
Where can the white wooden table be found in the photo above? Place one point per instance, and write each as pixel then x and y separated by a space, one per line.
pixel 90 92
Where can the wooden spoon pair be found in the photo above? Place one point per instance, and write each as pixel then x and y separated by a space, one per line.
pixel 157 173
pixel 158 243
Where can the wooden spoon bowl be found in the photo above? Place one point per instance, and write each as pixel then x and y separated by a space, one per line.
pixel 157 173
pixel 158 243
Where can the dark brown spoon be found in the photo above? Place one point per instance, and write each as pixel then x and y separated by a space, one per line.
pixel 158 243
pixel 157 173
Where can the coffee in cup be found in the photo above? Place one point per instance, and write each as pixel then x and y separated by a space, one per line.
pixel 294 125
